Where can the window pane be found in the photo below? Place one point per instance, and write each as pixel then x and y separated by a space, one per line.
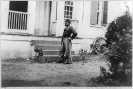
pixel 68 2
pixel 70 13
pixel 71 17
pixel 105 5
pixel 67 7
pixel 71 3
pixel 98 5
pixel 105 18
pixel 105 11
pixel 64 12
pixel 67 12
pixel 97 17
pixel 65 2
pixel 67 16
pixel 71 8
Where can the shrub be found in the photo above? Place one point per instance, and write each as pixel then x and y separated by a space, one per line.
pixel 119 42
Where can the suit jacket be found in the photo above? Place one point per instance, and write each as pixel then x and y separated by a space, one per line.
pixel 68 31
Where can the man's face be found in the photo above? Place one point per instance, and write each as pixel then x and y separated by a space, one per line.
pixel 66 23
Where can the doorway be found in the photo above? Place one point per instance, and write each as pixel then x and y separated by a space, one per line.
pixel 20 6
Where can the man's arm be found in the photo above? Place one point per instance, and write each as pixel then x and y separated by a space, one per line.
pixel 62 38
pixel 74 33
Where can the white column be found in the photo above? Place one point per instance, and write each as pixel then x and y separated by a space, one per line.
pixel 4 15
pixel 60 18
pixel 31 19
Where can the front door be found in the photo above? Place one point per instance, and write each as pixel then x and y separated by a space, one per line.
pixel 43 18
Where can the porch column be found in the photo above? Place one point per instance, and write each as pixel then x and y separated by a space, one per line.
pixel 31 19
pixel 60 18
pixel 53 18
pixel 4 15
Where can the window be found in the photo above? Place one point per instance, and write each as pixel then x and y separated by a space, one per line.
pixel 98 14
pixel 105 12
pixel 94 13
pixel 68 12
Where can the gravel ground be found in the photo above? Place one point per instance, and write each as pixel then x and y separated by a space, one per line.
pixel 26 73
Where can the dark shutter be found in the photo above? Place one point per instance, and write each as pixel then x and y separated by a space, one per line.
pixel 105 12
pixel 93 18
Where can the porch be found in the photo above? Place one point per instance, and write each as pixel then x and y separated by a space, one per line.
pixel 23 45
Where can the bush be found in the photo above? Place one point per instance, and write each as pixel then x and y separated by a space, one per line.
pixel 119 42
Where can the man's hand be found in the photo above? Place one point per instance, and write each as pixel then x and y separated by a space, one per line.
pixel 61 42
pixel 69 38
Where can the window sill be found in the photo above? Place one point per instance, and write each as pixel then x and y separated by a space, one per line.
pixel 72 19
pixel 75 20
pixel 97 26
pixel 54 21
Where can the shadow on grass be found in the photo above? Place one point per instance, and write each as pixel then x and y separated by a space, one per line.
pixel 20 83
pixel 39 83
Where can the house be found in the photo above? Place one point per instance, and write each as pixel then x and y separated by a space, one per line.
pixel 24 21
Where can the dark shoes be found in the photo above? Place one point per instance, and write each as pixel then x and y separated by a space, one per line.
pixel 68 63
pixel 62 60
pixel 59 62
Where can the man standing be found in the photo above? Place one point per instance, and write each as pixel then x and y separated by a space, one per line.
pixel 66 44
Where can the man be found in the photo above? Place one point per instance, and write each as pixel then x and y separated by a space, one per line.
pixel 66 44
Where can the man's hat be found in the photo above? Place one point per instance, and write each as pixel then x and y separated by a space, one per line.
pixel 68 20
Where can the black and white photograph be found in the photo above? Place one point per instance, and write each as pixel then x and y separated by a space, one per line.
pixel 64 44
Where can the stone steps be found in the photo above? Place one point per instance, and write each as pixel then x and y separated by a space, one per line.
pixel 50 50
pixel 48 47
pixel 54 52
pixel 46 42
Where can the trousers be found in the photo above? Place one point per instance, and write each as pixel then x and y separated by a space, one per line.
pixel 66 50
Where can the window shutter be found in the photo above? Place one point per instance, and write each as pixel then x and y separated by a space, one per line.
pixel 94 7
pixel 105 12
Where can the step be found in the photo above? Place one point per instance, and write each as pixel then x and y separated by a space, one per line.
pixel 45 42
pixel 54 58
pixel 48 47
pixel 53 52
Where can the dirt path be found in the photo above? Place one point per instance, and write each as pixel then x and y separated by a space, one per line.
pixel 27 73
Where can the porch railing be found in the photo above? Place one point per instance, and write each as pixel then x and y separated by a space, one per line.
pixel 18 20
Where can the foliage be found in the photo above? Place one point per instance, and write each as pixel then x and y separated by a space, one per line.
pixel 108 79
pixel 81 51
pixel 119 42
